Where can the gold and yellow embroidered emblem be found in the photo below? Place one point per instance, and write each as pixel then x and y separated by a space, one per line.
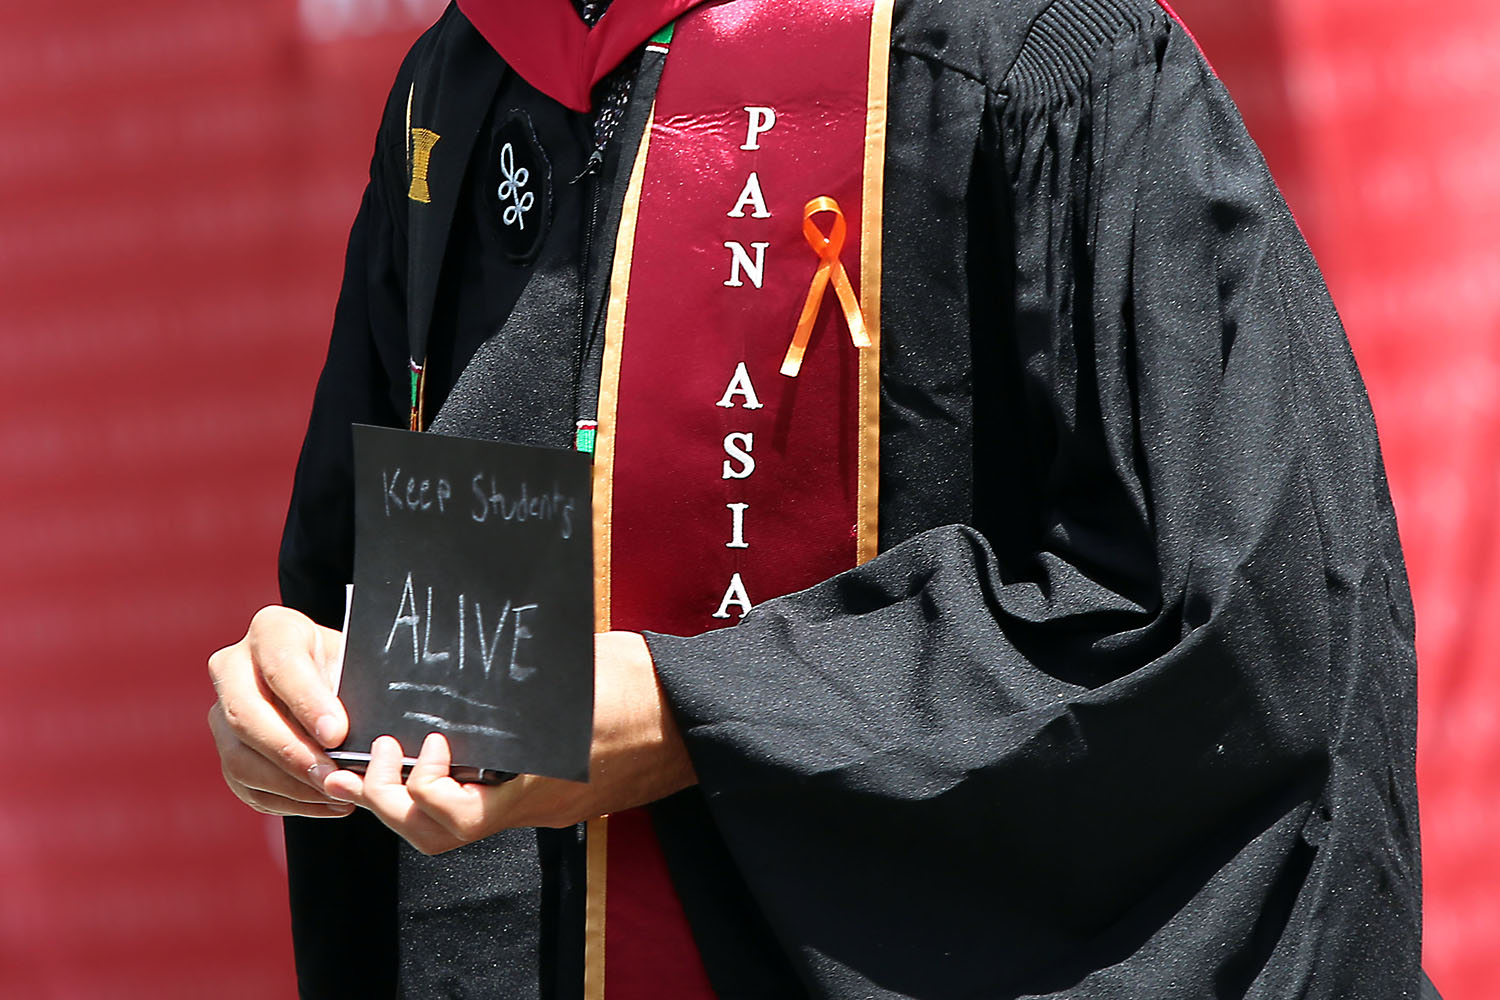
pixel 418 154
pixel 422 141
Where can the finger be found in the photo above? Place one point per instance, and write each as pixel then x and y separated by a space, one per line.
pixel 276 805
pixel 243 717
pixel 382 769
pixel 287 805
pixel 345 786
pixel 462 810
pixel 372 789
pixel 243 766
pixel 433 765
pixel 382 786
pixel 290 654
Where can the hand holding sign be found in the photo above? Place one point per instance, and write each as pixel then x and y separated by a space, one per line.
pixel 471 616
pixel 275 691
pixel 637 756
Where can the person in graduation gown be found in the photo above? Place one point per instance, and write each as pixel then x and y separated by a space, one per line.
pixel 1125 707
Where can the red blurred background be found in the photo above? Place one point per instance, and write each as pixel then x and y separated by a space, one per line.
pixel 176 181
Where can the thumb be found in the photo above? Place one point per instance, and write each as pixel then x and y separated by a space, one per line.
pixel 286 651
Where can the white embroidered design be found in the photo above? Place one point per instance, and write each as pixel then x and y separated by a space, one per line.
pixel 513 189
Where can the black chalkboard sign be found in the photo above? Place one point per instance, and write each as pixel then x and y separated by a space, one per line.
pixel 472 608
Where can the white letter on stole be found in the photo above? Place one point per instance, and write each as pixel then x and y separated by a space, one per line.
pixel 738 541
pixel 739 258
pixel 753 197
pixel 761 120
pixel 734 595
pixel 732 448
pixel 740 386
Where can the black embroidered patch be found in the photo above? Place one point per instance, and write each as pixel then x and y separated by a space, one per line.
pixel 519 188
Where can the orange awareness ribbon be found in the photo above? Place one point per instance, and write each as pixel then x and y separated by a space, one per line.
pixel 827 247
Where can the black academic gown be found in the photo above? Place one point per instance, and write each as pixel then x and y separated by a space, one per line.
pixel 1127 706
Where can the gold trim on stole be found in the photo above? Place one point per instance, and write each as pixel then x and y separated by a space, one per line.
pixel 597 858
pixel 603 513
pixel 872 217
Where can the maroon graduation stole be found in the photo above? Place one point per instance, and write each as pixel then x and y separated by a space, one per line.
pixel 737 450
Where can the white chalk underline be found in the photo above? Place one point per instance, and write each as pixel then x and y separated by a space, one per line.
pixel 438 689
pixel 457 727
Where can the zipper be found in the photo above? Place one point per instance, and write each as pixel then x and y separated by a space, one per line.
pixel 590 174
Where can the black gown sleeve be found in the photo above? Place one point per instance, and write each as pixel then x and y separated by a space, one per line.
pixel 356 386
pixel 342 874
pixel 1167 747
